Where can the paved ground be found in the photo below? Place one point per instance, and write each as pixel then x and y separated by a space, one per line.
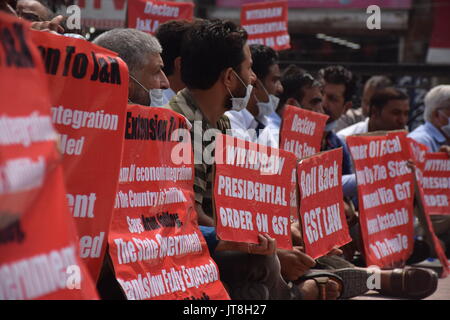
pixel 442 292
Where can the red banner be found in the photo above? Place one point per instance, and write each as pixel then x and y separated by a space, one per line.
pixel 302 131
pixel 323 4
pixel 147 15
pixel 419 154
pixel 89 90
pixel 436 183
pixel 267 23
pixel 252 191
pixel 386 194
pixel 155 243
pixel 38 243
pixel 321 203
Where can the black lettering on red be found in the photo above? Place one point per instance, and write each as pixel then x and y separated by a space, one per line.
pixel 52 57
pixel 80 64
pixel 104 73
pixel 18 58
pixel 115 71
pixel 94 75
pixel 70 50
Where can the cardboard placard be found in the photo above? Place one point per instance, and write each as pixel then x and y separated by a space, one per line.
pixel 436 183
pixel 419 154
pixel 386 194
pixel 89 92
pixel 322 212
pixel 302 131
pixel 267 23
pixel 252 190
pixel 147 15
pixel 155 244
pixel 38 242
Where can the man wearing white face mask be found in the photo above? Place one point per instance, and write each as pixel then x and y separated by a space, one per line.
pixel 253 122
pixel 142 53
pixel 435 134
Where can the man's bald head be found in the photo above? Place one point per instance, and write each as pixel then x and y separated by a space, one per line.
pixel 33 10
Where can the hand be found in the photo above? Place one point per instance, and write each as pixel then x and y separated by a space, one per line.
pixel 335 252
pixel 296 234
pixel 411 165
pixel 445 149
pixel 294 263
pixel 266 246
pixel 52 25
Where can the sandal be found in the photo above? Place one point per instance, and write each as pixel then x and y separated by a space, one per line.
pixel 321 278
pixel 411 283
pixel 355 281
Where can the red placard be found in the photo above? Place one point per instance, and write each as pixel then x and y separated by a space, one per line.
pixel 147 15
pixel 89 90
pixel 321 203
pixel 386 194
pixel 436 183
pixel 38 243
pixel 302 131
pixel 419 155
pixel 155 243
pixel 267 23
pixel 252 190
pixel 322 4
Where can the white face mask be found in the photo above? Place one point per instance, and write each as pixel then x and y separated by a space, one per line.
pixel 156 96
pixel 446 128
pixel 267 108
pixel 239 104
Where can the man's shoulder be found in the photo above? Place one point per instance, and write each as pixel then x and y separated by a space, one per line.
pixel 351 117
pixel 357 128
pixel 422 135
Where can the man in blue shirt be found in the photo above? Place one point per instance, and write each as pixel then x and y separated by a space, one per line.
pixel 435 134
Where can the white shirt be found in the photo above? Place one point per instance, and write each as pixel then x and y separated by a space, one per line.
pixel 357 128
pixel 244 124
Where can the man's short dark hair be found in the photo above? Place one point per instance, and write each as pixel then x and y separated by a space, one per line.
pixel 263 58
pixel 208 48
pixel 170 35
pixel 294 80
pixel 381 98
pixel 339 75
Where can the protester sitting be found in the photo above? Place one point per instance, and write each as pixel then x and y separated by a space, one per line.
pixel 435 135
pixel 389 110
pixel 170 35
pixel 352 115
pixel 253 123
pixel 142 53
pixel 224 84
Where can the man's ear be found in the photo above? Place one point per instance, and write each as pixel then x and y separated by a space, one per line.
pixel 131 89
pixel 347 105
pixel 293 102
pixel 177 65
pixel 228 78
